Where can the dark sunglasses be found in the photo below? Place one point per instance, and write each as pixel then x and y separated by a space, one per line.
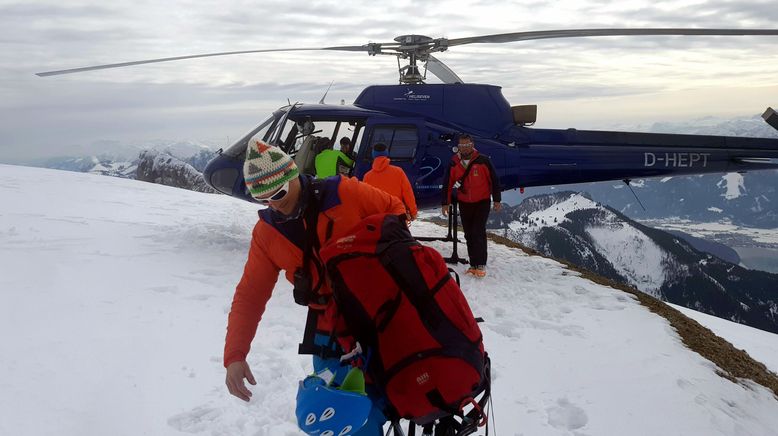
pixel 278 196
pixel 466 144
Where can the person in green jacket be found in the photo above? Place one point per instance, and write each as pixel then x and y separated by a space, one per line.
pixel 333 162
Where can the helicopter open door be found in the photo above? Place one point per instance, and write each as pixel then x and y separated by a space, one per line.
pixel 405 138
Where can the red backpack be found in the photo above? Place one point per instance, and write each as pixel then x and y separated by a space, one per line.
pixel 398 299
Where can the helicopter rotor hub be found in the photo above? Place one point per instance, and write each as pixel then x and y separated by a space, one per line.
pixel 416 48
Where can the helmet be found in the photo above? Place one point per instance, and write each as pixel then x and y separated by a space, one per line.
pixel 323 410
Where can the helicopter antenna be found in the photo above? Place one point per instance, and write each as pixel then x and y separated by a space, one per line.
pixel 627 181
pixel 325 93
pixel 288 101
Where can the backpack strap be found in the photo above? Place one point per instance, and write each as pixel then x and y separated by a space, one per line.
pixel 461 180
pixel 305 292
pixel 308 346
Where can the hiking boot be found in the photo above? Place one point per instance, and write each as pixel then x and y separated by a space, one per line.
pixel 472 270
pixel 479 271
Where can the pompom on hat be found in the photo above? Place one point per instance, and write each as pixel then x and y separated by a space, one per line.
pixel 267 168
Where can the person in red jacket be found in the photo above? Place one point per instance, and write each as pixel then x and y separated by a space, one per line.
pixel 391 179
pixel 278 242
pixel 473 177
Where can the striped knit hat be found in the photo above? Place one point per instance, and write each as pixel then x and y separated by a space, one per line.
pixel 267 168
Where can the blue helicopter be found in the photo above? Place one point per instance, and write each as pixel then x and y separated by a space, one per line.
pixel 420 123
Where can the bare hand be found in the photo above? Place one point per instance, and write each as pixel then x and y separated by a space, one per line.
pixel 236 372
pixel 497 206
pixel 444 210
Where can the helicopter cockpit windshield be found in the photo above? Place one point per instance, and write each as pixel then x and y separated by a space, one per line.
pixel 265 131
pixel 226 176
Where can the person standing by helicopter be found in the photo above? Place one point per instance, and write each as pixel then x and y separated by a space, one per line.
pixel 473 177
pixel 391 179
pixel 302 215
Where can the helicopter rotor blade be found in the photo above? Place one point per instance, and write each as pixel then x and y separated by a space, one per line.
pixel 421 46
pixel 577 33
pixel 442 71
pixel 178 58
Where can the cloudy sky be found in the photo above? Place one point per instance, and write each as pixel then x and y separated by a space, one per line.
pixel 583 82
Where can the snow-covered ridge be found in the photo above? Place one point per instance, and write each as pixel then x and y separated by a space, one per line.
pixel 569 226
pixel 124 331
pixel 630 251
pixel 542 217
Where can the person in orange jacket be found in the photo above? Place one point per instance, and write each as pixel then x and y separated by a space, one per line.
pixel 476 182
pixel 391 179
pixel 278 242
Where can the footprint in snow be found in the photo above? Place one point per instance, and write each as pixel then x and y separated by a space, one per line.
pixel 197 420
pixel 164 289
pixel 566 416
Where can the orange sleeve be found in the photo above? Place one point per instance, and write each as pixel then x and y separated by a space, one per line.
pixel 251 295
pixel 407 192
pixel 372 200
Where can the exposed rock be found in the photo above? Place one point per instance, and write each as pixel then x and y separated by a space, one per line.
pixel 159 167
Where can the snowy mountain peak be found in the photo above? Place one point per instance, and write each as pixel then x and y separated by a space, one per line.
pixel 548 210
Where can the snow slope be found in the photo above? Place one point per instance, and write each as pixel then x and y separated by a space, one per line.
pixel 114 295
pixel 633 254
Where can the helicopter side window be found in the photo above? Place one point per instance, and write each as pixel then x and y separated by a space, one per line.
pixel 401 140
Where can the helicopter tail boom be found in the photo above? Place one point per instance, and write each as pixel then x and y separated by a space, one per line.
pixel 557 157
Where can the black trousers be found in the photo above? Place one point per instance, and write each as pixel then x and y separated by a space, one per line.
pixel 474 216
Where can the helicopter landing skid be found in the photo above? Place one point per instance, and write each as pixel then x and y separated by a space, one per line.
pixel 450 236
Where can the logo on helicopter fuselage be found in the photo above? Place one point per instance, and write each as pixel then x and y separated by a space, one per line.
pixel 410 95
pixel 676 160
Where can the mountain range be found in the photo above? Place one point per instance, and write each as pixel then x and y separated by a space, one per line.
pixel 173 163
pixel 571 226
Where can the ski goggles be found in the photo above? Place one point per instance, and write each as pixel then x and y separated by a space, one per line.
pixel 278 196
